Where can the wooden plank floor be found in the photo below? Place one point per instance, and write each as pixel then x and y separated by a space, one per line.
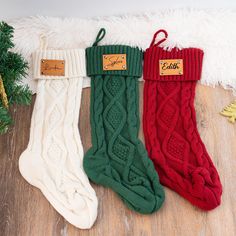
pixel 25 212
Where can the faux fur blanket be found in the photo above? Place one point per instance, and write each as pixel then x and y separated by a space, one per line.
pixel 211 30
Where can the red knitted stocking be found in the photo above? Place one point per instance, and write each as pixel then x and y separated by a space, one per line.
pixel 170 129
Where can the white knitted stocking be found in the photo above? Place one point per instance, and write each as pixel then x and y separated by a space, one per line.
pixel 53 159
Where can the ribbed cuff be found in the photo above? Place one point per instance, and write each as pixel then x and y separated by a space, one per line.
pixel 94 60
pixel 192 63
pixel 74 63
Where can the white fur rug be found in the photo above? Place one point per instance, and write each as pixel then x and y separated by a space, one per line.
pixel 212 30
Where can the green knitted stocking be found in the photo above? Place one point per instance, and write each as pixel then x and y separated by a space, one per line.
pixel 117 158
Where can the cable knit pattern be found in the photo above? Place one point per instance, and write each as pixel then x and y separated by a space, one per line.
pixel 53 159
pixel 170 128
pixel 117 158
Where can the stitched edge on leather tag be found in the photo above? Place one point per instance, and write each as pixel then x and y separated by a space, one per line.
pixel 52 67
pixel 171 67
pixel 114 62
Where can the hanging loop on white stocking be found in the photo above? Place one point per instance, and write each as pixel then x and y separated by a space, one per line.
pixel 43 42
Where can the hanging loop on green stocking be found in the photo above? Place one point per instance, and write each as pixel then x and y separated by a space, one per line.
pixel 100 36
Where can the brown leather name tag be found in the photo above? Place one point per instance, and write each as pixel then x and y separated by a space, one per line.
pixel 52 67
pixel 114 62
pixel 171 67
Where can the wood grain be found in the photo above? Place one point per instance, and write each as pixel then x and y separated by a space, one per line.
pixel 24 211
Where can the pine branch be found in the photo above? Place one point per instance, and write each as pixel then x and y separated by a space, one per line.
pixel 5 120
pixel 21 95
pixel 6 35
pixel 13 68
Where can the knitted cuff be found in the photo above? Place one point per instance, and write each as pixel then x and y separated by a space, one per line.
pixel 174 65
pixel 59 64
pixel 114 60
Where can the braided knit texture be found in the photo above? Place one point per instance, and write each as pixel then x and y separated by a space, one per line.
pixel 53 159
pixel 171 135
pixel 117 158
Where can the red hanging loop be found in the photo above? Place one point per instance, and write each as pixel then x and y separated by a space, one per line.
pixel 160 41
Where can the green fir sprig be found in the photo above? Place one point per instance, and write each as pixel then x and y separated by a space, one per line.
pixel 13 68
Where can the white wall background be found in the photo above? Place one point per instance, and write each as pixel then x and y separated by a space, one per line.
pixel 87 8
